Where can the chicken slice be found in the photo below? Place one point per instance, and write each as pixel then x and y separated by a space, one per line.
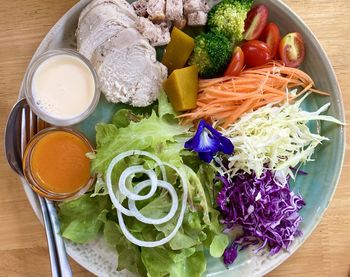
pixel 192 6
pixel 140 7
pixel 156 10
pixel 197 19
pixel 121 5
pixel 128 70
pixel 174 9
pixel 99 21
pixel 180 24
pixel 157 34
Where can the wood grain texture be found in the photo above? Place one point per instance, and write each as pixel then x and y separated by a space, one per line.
pixel 23 250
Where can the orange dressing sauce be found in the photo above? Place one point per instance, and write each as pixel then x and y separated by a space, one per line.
pixel 59 164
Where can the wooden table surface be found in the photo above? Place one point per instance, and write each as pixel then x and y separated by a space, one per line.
pixel 23 250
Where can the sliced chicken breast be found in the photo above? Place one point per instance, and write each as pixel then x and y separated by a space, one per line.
pixel 128 70
pixel 99 21
pixel 124 60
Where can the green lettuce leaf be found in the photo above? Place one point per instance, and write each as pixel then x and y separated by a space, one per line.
pixel 218 245
pixel 100 188
pixel 123 117
pixel 164 107
pixel 129 256
pixel 163 262
pixel 82 219
pixel 186 237
pixel 105 133
pixel 150 133
pixel 197 196
pixel 159 133
pixel 156 132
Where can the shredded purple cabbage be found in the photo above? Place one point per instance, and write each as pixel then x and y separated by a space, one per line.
pixel 230 254
pixel 265 208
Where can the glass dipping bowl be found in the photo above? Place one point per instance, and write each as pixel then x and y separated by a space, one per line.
pixel 29 93
pixel 36 178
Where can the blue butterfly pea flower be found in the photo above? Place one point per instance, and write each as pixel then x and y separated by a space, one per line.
pixel 207 142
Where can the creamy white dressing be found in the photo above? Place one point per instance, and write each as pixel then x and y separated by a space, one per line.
pixel 63 87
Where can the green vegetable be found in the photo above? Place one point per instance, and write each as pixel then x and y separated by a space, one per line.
pixel 82 219
pixel 123 117
pixel 160 134
pixel 218 245
pixel 227 18
pixel 128 254
pixel 152 134
pixel 187 263
pixel 211 54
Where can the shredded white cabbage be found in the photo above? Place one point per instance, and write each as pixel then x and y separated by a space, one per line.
pixel 274 137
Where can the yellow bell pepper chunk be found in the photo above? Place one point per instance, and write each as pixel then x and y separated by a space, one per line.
pixel 182 88
pixel 178 50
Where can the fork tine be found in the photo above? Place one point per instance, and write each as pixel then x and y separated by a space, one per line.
pixel 32 129
pixel 23 130
pixel 41 124
pixel 46 125
pixel 28 125
pixel 32 124
pixel 65 269
pixel 38 124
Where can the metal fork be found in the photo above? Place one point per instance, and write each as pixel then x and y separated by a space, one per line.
pixel 24 122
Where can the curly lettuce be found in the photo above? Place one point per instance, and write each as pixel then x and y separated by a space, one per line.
pixel 159 133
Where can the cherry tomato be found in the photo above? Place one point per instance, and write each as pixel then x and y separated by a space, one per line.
pixel 272 36
pixel 255 22
pixel 292 50
pixel 237 62
pixel 256 53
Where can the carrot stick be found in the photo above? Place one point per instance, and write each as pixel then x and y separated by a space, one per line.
pixel 225 99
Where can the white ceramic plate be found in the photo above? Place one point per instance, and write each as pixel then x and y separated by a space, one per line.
pixel 100 260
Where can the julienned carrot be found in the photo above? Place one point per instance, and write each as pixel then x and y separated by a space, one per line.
pixel 225 99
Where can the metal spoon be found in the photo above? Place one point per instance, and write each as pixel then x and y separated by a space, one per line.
pixel 13 137
pixel 22 124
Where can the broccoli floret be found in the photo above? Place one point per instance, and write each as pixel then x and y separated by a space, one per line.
pixel 228 18
pixel 212 53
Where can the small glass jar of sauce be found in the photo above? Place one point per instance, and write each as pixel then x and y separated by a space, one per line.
pixel 61 87
pixel 55 164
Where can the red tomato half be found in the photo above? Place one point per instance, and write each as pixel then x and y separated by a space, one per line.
pixel 292 50
pixel 272 36
pixel 237 62
pixel 256 53
pixel 255 22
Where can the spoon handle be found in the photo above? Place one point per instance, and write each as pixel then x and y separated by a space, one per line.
pixel 50 239
pixel 22 125
pixel 60 247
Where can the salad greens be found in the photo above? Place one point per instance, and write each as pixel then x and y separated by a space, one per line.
pixel 82 219
pixel 158 133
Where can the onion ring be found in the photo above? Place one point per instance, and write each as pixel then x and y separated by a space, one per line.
pixel 134 195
